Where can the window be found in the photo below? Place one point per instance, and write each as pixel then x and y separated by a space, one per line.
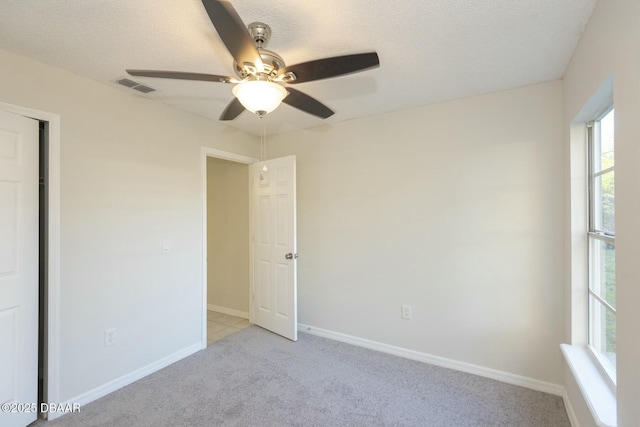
pixel 601 236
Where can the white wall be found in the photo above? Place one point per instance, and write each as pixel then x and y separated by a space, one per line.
pixel 228 234
pixel 455 209
pixel 609 46
pixel 130 178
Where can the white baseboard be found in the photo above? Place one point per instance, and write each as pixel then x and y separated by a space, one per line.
pixel 127 379
pixel 495 374
pixel 229 311
pixel 573 419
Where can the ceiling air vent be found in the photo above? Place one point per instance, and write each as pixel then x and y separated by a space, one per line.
pixel 135 85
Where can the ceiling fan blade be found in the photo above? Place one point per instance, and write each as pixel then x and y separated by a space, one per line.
pixel 304 102
pixel 233 32
pixel 181 75
pixel 331 67
pixel 233 110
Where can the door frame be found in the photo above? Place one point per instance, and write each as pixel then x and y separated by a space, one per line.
pixel 233 157
pixel 52 361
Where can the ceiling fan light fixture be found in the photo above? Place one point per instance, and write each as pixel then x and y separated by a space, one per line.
pixel 259 96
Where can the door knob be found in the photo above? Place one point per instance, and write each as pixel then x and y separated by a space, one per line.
pixel 291 256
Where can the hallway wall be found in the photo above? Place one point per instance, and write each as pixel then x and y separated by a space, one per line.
pixel 228 235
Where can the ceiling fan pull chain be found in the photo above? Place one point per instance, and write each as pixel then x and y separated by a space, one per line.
pixel 263 149
pixel 263 141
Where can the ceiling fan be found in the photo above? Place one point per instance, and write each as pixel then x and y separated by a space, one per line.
pixel 261 72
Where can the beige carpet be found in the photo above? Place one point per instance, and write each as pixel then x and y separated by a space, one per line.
pixel 256 378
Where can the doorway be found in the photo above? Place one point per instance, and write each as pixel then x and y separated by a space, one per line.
pixel 226 249
pixel 228 279
pixel 272 244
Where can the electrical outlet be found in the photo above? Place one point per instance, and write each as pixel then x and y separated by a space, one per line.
pixel 166 246
pixel 109 337
pixel 406 312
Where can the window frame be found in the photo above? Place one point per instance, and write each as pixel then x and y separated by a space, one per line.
pixel 594 236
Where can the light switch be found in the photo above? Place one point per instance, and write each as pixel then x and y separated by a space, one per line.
pixel 166 246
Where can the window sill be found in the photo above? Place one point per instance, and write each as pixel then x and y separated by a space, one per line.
pixel 598 394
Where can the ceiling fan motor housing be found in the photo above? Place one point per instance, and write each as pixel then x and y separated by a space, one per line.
pixel 271 61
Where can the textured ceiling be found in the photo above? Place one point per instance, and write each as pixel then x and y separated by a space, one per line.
pixel 430 50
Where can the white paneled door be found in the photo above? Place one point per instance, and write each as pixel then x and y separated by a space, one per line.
pixel 274 246
pixel 18 269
